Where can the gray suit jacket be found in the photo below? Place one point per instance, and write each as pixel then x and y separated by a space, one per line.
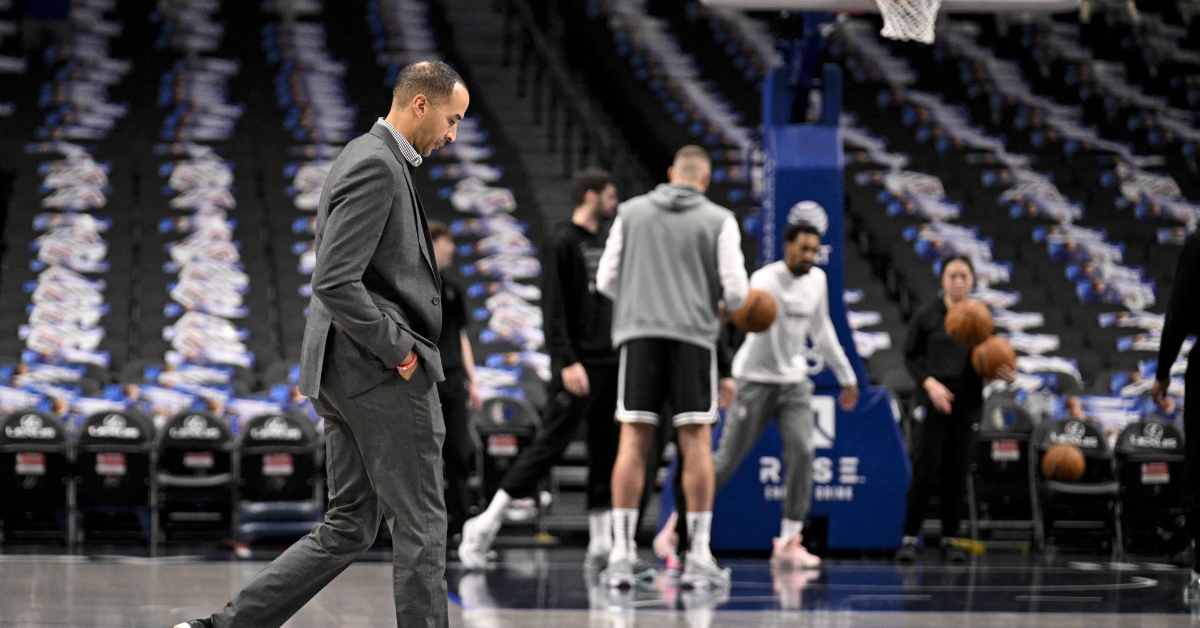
pixel 376 289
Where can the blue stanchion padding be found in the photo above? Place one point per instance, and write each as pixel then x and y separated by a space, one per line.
pixel 804 163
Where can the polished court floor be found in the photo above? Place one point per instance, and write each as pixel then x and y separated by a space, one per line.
pixel 547 588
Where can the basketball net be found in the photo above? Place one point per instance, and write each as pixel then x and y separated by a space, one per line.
pixel 910 20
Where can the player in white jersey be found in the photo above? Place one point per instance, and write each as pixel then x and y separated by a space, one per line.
pixel 772 372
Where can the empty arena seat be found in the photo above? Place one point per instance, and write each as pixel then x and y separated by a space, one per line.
pixel 1150 469
pixel 279 478
pixel 35 478
pixel 195 477
pixel 115 477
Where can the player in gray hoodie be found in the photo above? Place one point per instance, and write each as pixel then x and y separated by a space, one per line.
pixel 672 258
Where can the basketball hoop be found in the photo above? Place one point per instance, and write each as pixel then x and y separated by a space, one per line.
pixel 909 20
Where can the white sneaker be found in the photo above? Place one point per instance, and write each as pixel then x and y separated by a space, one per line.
pixel 619 573
pixel 792 553
pixel 789 585
pixel 702 572
pixel 596 559
pixel 477 537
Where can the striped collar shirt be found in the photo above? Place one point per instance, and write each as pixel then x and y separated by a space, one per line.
pixel 406 149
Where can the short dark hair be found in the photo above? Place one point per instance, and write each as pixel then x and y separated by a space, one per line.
pixel 946 261
pixel 435 79
pixel 438 230
pixel 793 231
pixel 590 180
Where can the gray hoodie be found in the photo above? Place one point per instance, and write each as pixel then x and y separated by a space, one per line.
pixel 671 257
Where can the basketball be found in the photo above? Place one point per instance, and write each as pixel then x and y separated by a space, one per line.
pixel 991 355
pixel 969 322
pixel 1064 463
pixel 757 313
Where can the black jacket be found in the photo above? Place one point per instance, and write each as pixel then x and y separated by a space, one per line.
pixel 1183 311
pixel 930 352
pixel 577 318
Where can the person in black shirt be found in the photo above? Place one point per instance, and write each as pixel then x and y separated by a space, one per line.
pixel 459 391
pixel 578 325
pixel 1183 320
pixel 949 398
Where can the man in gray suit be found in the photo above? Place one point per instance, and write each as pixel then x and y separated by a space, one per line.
pixel 370 363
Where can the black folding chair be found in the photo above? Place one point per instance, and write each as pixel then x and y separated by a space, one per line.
pixel 197 480
pixel 35 479
pixel 999 495
pixel 115 478
pixel 1090 504
pixel 280 488
pixel 1150 470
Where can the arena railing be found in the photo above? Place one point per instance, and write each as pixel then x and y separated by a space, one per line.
pixel 573 131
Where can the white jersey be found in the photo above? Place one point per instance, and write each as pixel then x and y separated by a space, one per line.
pixel 777 356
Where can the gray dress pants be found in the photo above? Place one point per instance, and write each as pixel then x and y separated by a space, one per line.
pixel 384 460
pixel 756 404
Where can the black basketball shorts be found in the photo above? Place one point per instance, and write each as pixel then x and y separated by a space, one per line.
pixel 660 372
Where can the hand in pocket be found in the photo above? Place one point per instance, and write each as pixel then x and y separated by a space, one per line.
pixel 408 367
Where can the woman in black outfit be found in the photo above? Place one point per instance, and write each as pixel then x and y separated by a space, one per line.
pixel 949 400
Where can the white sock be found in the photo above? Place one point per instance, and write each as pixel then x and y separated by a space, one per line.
pixel 699 527
pixel 600 536
pixel 624 524
pixel 494 514
pixel 790 528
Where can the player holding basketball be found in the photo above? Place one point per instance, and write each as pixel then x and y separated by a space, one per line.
pixel 772 380
pixel 671 258
pixel 950 398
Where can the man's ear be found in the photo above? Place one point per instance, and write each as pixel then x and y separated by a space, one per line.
pixel 420 105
